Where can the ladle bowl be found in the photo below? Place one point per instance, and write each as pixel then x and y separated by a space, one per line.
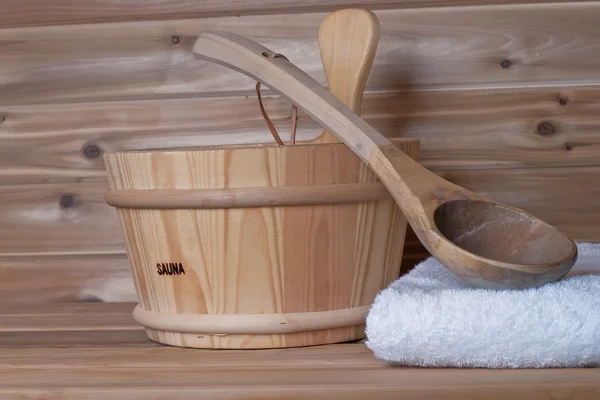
pixel 486 243
pixel 508 246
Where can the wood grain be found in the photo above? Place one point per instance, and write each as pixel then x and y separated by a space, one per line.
pixel 64 325
pixel 69 313
pixel 91 278
pixel 457 129
pixel 51 322
pixel 565 197
pixel 98 363
pixel 312 379
pixel 526 388
pixel 35 223
pixel 78 339
pixel 546 44
pixel 60 12
pixel 573 208
pixel 247 197
pixel 261 260
pixel 538 190
pixel 491 127
pixel 348 41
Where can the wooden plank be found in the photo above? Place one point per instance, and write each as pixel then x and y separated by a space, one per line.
pixel 53 321
pixel 332 365
pixel 487 129
pixel 547 44
pixel 38 12
pixel 343 356
pixel 457 129
pixel 34 224
pixel 336 371
pixel 67 309
pixel 70 325
pixel 73 339
pixel 92 278
pixel 524 391
pixel 564 197
pixel 311 383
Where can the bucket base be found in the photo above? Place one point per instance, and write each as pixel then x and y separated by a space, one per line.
pixel 253 331
pixel 254 341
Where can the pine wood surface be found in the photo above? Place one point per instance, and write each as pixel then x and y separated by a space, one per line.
pixel 35 221
pixel 128 85
pixel 53 230
pixel 39 12
pixel 66 278
pixel 429 48
pixel 77 360
pixel 43 243
pixel 457 129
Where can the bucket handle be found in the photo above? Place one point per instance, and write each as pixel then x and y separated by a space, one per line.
pixel 268 120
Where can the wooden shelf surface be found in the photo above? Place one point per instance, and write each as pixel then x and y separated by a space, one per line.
pixel 97 351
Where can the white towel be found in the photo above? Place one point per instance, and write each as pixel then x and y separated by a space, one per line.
pixel 431 318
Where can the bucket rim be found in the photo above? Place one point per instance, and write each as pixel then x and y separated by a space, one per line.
pixel 240 146
pixel 223 147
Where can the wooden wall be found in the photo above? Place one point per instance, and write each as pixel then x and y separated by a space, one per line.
pixel 502 94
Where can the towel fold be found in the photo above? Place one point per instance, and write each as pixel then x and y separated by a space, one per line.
pixel 431 318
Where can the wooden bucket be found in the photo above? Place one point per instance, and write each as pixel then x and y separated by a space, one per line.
pixel 255 246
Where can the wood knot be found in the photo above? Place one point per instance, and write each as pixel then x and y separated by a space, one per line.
pixel 546 129
pixel 66 201
pixel 92 151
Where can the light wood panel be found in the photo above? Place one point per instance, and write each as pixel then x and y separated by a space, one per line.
pixel 547 44
pixel 51 322
pixel 291 380
pixel 68 313
pixel 488 129
pixel 32 221
pixel 40 12
pixel 92 278
pixel 63 325
pixel 457 129
pixel 491 125
pixel 96 363
pixel 73 339
pixel 565 197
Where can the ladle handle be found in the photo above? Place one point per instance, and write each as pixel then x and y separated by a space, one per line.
pixel 348 41
pixel 415 189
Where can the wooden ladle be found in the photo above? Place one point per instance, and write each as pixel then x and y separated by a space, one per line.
pixel 486 243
